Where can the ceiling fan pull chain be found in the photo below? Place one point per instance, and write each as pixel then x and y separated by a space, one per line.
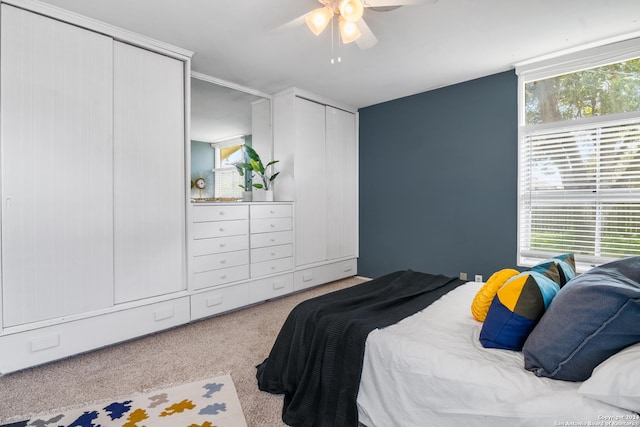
pixel 333 61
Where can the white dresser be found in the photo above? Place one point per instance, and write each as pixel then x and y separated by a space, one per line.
pixel 271 239
pixel 220 245
pixel 242 253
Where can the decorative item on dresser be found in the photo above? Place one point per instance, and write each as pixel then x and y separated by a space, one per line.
pixel 255 165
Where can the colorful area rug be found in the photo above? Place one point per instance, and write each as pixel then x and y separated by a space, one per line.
pixel 209 403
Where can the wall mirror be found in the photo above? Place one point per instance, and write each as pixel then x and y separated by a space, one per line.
pixel 224 117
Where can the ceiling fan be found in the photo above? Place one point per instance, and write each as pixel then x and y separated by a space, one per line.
pixel 351 25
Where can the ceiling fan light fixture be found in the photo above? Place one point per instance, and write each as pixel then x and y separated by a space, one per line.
pixel 318 19
pixel 349 31
pixel 351 10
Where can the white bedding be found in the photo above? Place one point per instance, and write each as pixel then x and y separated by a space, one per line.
pixel 431 370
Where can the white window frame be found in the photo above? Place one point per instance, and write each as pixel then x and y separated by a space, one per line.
pixel 550 67
pixel 219 170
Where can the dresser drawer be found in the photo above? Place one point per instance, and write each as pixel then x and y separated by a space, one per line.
pixel 271 252
pixel 219 300
pixel 218 261
pixel 314 276
pixel 204 230
pixel 211 278
pixel 272 287
pixel 270 211
pixel 271 267
pixel 218 245
pixel 41 345
pixel 261 240
pixel 219 213
pixel 268 225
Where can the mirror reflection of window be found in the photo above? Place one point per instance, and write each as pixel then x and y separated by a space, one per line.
pixel 228 182
pixel 231 155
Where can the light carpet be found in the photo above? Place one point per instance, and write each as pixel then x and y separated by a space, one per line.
pixel 208 403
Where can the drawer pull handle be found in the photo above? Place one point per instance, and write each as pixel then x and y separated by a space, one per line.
pixel 221 212
pixel 273 239
pixel 224 276
pixel 223 261
pixel 215 300
pixel 221 229
pixel 278 285
pixel 272 212
pixel 222 245
pixel 273 254
pixel 273 225
pixel 44 343
pixel 166 313
pixel 273 267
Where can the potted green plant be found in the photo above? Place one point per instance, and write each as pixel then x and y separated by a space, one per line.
pixel 265 172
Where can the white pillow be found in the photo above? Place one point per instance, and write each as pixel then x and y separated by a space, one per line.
pixel 615 381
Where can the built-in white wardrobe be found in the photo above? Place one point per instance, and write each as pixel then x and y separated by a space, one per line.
pixel 100 240
pixel 316 141
pixel 92 135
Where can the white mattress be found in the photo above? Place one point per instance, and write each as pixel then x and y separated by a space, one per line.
pixel 431 370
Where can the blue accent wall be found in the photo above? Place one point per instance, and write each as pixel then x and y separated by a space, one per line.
pixel 438 180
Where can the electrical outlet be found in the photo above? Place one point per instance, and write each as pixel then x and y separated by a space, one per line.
pixel 463 276
pixel 478 277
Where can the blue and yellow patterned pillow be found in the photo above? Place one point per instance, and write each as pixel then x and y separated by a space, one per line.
pixel 518 306
pixel 482 300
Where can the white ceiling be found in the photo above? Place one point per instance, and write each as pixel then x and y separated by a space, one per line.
pixel 421 47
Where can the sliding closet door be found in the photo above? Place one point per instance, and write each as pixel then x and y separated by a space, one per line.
pixel 310 182
pixel 342 184
pixel 56 104
pixel 149 174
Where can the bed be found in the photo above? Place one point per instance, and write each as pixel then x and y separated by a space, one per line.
pixel 442 373
pixel 430 368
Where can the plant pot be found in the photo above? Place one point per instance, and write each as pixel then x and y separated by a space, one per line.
pixel 262 195
pixel 246 196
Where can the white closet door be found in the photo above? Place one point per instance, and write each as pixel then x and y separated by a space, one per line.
pixel 342 184
pixel 149 174
pixel 310 183
pixel 56 122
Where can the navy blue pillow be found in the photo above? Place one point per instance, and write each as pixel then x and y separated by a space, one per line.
pixel 592 317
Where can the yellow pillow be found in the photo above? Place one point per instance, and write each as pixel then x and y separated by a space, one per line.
pixel 482 300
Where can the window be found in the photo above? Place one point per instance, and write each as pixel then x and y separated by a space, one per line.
pixel 227 180
pixel 579 156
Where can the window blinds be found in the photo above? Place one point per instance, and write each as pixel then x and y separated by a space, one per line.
pixel 580 191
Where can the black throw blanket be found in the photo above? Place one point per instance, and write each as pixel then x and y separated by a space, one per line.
pixel 316 360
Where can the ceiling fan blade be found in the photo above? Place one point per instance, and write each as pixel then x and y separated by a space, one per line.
pixel 300 20
pixel 367 39
pixel 385 3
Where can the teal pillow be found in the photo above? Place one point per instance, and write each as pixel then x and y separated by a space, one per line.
pixel 566 267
